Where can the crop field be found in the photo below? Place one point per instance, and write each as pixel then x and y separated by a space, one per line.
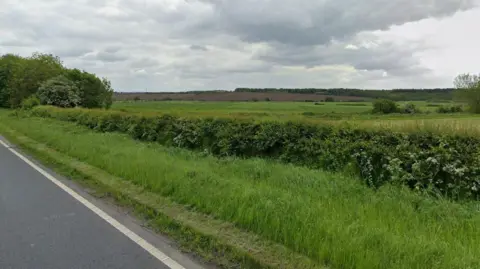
pixel 280 108
pixel 336 113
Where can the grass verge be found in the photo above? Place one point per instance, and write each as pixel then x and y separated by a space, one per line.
pixel 213 240
pixel 330 218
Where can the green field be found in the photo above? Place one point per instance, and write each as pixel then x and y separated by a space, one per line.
pixel 272 108
pixel 349 113
pixel 331 218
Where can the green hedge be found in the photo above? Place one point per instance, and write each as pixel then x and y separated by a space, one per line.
pixel 449 165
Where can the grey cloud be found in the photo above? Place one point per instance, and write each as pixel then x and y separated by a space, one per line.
pixel 144 62
pixel 110 57
pixel 386 56
pixel 70 52
pixel 198 47
pixel 308 22
pixel 248 40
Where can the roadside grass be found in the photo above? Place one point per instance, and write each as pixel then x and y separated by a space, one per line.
pixel 331 218
pixel 213 240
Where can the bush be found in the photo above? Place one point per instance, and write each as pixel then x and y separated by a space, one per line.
pixel 59 91
pixel 329 99
pixel 410 108
pixel 450 109
pixel 449 165
pixel 384 106
pixel 30 102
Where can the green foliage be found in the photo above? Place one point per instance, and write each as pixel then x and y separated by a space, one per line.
pixel 93 91
pixel 59 91
pixel 385 106
pixel 410 108
pixel 446 164
pixel 326 216
pixel 29 73
pixel 21 77
pixel 450 109
pixel 469 90
pixel 329 99
pixel 30 102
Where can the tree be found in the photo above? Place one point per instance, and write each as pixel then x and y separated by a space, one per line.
pixel 384 106
pixel 24 75
pixel 21 77
pixel 59 91
pixel 9 63
pixel 107 93
pixel 93 91
pixel 468 89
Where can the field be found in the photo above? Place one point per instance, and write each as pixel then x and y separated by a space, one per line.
pixel 280 184
pixel 337 113
pixel 230 96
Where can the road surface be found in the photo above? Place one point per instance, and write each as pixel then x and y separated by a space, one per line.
pixel 43 226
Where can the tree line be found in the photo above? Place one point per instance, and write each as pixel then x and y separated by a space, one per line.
pixel 437 94
pixel 42 78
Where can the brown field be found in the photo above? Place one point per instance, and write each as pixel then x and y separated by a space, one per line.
pixel 231 96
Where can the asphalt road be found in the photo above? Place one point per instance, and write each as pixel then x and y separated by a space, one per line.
pixel 42 226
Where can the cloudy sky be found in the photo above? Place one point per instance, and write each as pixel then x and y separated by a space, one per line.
pixel 175 45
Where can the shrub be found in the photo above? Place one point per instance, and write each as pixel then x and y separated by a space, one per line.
pixel 384 106
pixel 319 104
pixel 329 99
pixel 449 165
pixel 30 102
pixel 450 109
pixel 59 91
pixel 410 108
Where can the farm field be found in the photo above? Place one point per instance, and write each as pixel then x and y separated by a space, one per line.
pixel 331 218
pixel 230 96
pixel 283 108
pixel 336 113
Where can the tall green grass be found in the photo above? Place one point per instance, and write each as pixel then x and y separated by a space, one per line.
pixel 329 217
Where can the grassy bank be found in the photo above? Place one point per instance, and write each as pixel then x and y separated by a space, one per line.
pixel 332 219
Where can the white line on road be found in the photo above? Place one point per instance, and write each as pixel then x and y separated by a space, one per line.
pixel 117 225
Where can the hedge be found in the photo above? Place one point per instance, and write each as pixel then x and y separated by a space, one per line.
pixel 445 164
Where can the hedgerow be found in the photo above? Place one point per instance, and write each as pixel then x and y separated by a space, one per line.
pixel 444 164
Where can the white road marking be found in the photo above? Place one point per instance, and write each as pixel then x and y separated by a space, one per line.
pixel 162 257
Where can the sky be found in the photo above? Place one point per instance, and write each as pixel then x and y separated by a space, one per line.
pixel 179 45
